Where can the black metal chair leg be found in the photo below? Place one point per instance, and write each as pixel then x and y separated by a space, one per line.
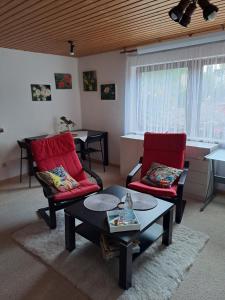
pixel 88 155
pixel 89 159
pixel 21 166
pixel 29 181
pixel 102 154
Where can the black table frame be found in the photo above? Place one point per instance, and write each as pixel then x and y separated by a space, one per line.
pixel 147 236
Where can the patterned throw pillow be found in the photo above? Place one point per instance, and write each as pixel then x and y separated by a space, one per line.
pixel 161 176
pixel 59 179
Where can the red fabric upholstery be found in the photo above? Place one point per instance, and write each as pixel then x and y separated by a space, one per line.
pixel 58 150
pixel 85 187
pixel 164 148
pixel 154 191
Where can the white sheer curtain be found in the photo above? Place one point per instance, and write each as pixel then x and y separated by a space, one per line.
pixel 178 96
pixel 161 97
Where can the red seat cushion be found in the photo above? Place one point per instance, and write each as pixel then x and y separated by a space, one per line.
pixel 85 187
pixel 55 151
pixel 154 191
pixel 164 148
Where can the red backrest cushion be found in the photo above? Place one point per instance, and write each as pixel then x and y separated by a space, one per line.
pixel 164 148
pixel 55 151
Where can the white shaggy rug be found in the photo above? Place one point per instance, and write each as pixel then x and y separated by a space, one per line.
pixel 156 273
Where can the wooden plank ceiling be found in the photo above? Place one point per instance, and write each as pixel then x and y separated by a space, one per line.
pixel 95 26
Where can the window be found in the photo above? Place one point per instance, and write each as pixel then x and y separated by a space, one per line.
pixel 181 96
pixel 212 103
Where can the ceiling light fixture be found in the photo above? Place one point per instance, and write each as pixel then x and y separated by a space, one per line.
pixel 186 19
pixel 183 11
pixel 176 13
pixel 209 10
pixel 71 47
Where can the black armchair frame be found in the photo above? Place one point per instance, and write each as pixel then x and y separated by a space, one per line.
pixel 53 206
pixel 178 200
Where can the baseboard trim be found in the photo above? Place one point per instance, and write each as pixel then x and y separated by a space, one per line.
pixel 2 181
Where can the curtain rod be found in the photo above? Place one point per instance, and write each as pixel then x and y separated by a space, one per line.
pixel 128 51
pixel 176 40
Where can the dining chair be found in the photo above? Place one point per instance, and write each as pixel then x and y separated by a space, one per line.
pixel 89 149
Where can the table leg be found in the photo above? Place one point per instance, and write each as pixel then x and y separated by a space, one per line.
pixel 208 199
pixel 167 227
pixel 105 145
pixel 70 240
pixel 125 266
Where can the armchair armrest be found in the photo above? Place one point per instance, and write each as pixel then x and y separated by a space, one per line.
pixel 182 179
pixel 46 189
pixel 94 175
pixel 133 172
pixel 184 173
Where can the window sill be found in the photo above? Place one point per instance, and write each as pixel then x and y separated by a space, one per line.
pixel 190 144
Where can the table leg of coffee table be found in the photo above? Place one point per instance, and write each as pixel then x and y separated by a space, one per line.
pixel 70 240
pixel 125 266
pixel 167 227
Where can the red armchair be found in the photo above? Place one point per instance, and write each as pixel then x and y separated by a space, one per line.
pixel 167 149
pixel 55 151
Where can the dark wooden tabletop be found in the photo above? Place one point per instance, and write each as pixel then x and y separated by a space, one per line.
pixel 99 221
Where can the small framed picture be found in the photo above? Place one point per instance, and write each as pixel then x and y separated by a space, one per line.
pixel 63 81
pixel 90 81
pixel 108 91
pixel 41 92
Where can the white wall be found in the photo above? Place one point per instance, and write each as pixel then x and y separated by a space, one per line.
pixel 100 114
pixel 19 115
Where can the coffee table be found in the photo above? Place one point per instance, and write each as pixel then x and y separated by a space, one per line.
pixel 94 224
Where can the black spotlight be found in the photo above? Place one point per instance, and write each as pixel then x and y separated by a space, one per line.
pixel 176 13
pixel 209 10
pixel 71 47
pixel 186 19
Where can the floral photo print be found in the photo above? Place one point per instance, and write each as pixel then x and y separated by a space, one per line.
pixel 90 81
pixel 41 92
pixel 63 81
pixel 108 91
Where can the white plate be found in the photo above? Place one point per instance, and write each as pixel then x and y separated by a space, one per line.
pixel 142 201
pixel 101 202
